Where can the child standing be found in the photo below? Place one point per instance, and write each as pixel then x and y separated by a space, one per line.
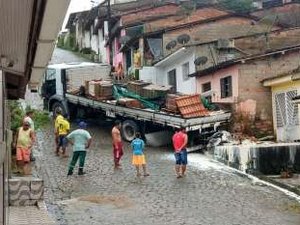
pixel 138 157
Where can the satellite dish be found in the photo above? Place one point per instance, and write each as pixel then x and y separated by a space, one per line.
pixel 183 39
pixel 171 45
pixel 200 60
pixel 124 39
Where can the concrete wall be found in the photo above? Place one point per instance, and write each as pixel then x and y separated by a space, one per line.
pixel 148 73
pixel 86 39
pixel 252 73
pixel 94 41
pixel 267 159
pixel 102 49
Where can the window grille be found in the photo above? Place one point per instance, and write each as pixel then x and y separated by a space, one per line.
pixel 286 111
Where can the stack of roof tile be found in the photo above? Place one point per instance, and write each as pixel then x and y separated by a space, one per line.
pixel 191 106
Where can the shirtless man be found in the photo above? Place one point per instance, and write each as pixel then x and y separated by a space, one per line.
pixel 117 143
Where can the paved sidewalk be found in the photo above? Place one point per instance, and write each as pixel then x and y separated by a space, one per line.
pixel 29 215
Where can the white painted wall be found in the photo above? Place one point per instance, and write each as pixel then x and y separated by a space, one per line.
pixel 87 39
pixel 148 73
pixel 79 36
pixel 159 75
pixel 94 41
pixel 184 86
pixel 101 46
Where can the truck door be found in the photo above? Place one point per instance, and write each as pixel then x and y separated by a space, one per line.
pixel 49 85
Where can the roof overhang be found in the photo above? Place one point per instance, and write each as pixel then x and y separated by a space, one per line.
pixel 28 33
pixel 170 59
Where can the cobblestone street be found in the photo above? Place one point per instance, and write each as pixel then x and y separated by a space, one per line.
pixel 210 194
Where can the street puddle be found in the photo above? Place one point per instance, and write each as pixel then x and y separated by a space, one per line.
pixel 117 201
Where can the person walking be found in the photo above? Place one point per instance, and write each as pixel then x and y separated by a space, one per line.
pixel 117 144
pixel 58 117
pixel 62 129
pixel 24 141
pixel 81 141
pixel 180 140
pixel 138 156
pixel 29 118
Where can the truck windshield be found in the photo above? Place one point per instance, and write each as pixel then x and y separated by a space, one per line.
pixel 50 74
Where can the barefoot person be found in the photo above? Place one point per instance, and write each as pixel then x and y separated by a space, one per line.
pixel 24 141
pixel 81 141
pixel 180 140
pixel 138 157
pixel 117 143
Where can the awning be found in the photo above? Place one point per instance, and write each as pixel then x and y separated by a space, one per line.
pixel 28 31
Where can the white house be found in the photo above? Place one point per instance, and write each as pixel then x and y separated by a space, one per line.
pixel 174 70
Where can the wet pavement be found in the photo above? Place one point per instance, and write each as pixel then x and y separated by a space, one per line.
pixel 210 194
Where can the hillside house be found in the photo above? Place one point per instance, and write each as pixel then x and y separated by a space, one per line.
pixel 237 80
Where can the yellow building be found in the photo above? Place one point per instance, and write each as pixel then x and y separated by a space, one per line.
pixel 285 102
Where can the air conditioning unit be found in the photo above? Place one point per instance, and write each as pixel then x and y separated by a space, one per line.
pixel 225 43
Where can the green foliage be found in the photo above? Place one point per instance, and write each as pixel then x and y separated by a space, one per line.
pixel 240 6
pixel 86 51
pixel 17 114
pixel 70 42
pixel 40 118
pixel 60 42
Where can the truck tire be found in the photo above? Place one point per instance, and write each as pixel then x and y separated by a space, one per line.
pixel 56 106
pixel 129 129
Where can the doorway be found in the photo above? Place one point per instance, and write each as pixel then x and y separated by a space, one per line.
pixel 172 79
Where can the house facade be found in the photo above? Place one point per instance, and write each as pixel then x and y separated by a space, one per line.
pixel 285 88
pixel 239 84
pixel 174 70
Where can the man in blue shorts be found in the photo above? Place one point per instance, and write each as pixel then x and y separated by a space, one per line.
pixel 180 140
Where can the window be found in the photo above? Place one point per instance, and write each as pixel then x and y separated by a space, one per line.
pixel 185 71
pixel 206 87
pixel 172 79
pixel 50 74
pixel 226 87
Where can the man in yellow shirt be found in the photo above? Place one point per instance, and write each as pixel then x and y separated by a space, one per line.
pixel 62 128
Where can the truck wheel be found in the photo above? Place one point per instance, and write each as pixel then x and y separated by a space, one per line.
pixel 58 106
pixel 129 130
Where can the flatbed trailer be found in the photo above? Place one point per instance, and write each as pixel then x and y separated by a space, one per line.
pixel 59 77
pixel 158 117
